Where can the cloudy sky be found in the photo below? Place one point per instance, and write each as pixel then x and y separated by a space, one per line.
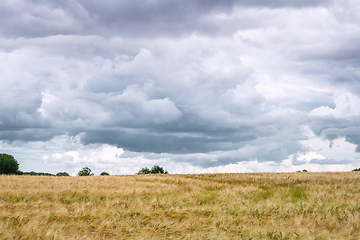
pixel 191 85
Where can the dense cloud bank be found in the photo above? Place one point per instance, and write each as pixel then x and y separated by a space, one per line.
pixel 206 83
pixel 131 18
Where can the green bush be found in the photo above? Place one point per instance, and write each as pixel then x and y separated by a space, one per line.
pixel 154 170
pixel 85 171
pixel 144 171
pixel 8 164
pixel 65 174
pixel 104 174
pixel 32 173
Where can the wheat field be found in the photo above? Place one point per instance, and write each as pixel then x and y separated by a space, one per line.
pixel 197 206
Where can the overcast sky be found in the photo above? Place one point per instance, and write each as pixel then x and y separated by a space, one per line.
pixel 191 85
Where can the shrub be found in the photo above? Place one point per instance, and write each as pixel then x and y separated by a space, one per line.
pixel 63 174
pixel 144 171
pixel 356 169
pixel 85 171
pixel 18 172
pixel 104 174
pixel 32 173
pixel 154 170
pixel 8 164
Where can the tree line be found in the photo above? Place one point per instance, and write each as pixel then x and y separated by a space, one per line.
pixel 10 166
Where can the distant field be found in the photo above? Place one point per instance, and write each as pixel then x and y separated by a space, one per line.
pixel 198 206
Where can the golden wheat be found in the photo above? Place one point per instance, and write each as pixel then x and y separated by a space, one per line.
pixel 198 206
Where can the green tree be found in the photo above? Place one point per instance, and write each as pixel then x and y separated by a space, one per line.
pixel 104 174
pixel 63 174
pixel 154 170
pixel 144 171
pixel 85 171
pixel 8 164
pixel 32 173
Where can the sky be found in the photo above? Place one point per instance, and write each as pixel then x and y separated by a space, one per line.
pixel 193 85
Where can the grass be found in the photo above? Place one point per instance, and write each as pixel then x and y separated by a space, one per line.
pixel 198 206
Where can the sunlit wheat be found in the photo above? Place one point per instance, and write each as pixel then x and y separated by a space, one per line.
pixel 199 206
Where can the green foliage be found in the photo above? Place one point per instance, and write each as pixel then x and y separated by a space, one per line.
pixel 207 198
pixel 63 174
pixel 298 194
pixel 8 164
pixel 104 174
pixel 85 171
pixel 32 173
pixel 18 172
pixel 154 170
pixel 266 193
pixel 295 194
pixel 144 171
pixel 356 169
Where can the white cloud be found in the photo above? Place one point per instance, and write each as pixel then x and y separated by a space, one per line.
pixel 347 105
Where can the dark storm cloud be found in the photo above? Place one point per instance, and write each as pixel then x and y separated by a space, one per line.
pixel 282 3
pixel 158 140
pixel 19 119
pixel 28 134
pixel 40 18
pixel 332 128
pixel 158 143
pixel 329 161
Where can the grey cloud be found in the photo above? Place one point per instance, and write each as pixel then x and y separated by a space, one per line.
pixel 19 110
pixel 22 134
pixel 354 138
pixel 331 138
pixel 325 125
pixel 111 83
pixel 332 128
pixel 125 18
pixel 249 150
pixel 37 19
pixel 152 141
pixel 329 161
pixel 297 162
pixel 282 3
pixel 337 57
